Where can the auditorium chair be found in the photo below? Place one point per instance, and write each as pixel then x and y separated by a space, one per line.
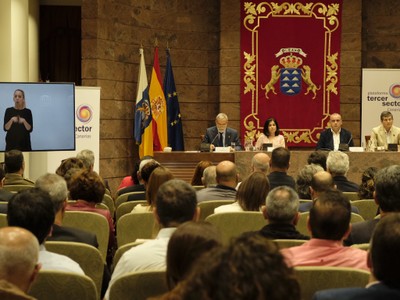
pixel 367 208
pixel 124 198
pixel 207 207
pixel 126 208
pixel 134 226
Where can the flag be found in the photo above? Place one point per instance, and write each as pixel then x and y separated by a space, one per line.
pixel 158 107
pixel 175 132
pixel 143 119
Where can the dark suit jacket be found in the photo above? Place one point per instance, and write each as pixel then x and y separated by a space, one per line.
pixel 68 234
pixel 325 141
pixel 342 184
pixel 231 135
pixel 5 195
pixel 361 232
pixel 374 292
pixel 282 231
pixel 279 179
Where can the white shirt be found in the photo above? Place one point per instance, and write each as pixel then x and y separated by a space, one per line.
pixel 233 207
pixel 150 255
pixel 57 262
pixel 336 140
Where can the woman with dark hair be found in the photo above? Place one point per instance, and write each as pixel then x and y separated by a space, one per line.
pixel 367 186
pixel 198 172
pixel 187 244
pixel 18 124
pixel 131 179
pixel 250 196
pixel 251 267
pixel 270 135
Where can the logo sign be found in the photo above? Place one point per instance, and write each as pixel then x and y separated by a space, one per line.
pixel 84 113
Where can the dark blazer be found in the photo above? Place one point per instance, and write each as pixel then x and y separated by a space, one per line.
pixel 279 179
pixel 325 141
pixel 282 231
pixel 231 135
pixel 344 185
pixel 374 292
pixel 68 234
pixel 5 195
pixel 361 232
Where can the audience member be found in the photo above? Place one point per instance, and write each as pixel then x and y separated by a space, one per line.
pixel 279 165
pixel 227 179
pixel 304 178
pixel 387 197
pixel 33 210
pixel 14 165
pixel 260 163
pixel 188 243
pixel 157 178
pixel 198 172
pixel 56 186
pixel 87 157
pixel 329 224
pixel 131 179
pixel 367 186
pixel 145 173
pixel 19 254
pixel 384 264
pixel 270 135
pixel 318 157
pixel 176 203
pixel 281 213
pixel 250 195
pixel 5 195
pixel 385 133
pixel 68 164
pixel 332 137
pixel 251 267
pixel 338 164
pixel 209 178
pixel 88 189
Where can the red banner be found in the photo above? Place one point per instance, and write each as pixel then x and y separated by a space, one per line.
pixel 290 67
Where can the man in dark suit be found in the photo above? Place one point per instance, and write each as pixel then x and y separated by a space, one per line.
pixel 330 138
pixel 387 196
pixel 279 164
pixel 56 186
pixel 338 165
pixel 221 135
pixel 384 263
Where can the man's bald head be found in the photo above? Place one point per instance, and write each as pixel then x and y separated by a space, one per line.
pixel 260 162
pixel 226 173
pixel 322 181
pixel 19 254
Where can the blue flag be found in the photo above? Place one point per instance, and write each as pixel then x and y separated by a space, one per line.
pixel 175 131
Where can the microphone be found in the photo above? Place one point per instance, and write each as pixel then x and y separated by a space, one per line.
pixel 351 138
pixel 215 137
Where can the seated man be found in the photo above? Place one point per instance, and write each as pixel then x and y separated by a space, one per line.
pixel 5 195
pixel 19 253
pixel 14 165
pixel 33 210
pixel 330 138
pixel 227 179
pixel 329 224
pixel 209 178
pixel 384 263
pixel 175 204
pixel 281 213
pixel 279 165
pixel 385 133
pixel 338 165
pixel 221 135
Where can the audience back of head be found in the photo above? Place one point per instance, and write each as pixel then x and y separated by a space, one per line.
pixel 318 158
pixel 87 185
pixel 260 163
pixel 147 168
pixel 198 172
pixel 157 178
pixel 304 178
pixel 367 186
pixel 68 164
pixel 56 186
pixel 87 157
pixel 337 163
pixel 209 176
pixel 187 244
pixel 13 161
pixel 252 192
pixel 280 158
pixel 322 181
pixel 33 210
pixel 387 189
pixel 330 216
pixel 282 205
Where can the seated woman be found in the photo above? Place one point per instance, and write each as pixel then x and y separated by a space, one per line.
pixel 186 245
pixel 131 179
pixel 157 178
pixel 250 196
pixel 270 135
pixel 88 189
pixel 198 172
pixel 367 186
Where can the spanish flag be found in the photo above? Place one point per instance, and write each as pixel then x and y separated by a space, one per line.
pixel 158 107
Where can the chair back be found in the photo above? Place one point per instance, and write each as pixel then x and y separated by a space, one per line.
pixel 109 201
pixel 50 285
pixel 3 220
pixel 207 207
pixel 17 187
pixel 134 226
pixel 313 279
pixel 287 243
pixel 91 222
pixel 139 285
pixel 351 196
pixel 126 208
pixel 124 197
pixel 121 250
pixel 88 257
pixel 367 208
pixel 233 224
pixel 198 187
pixel 364 246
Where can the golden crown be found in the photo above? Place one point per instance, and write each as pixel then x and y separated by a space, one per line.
pixel 291 61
